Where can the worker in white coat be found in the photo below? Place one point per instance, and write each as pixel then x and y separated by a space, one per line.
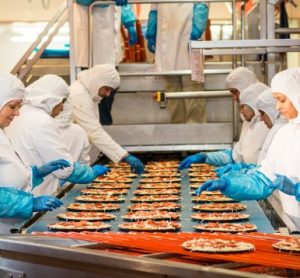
pixel 106 32
pixel 74 135
pixel 170 27
pixel 15 177
pixel 280 168
pixel 36 136
pixel 92 85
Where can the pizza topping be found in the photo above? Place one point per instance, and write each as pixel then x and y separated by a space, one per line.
pixel 150 225
pixel 86 215
pixel 217 245
pixel 161 174
pixel 109 185
pixel 155 198
pixel 158 191
pixel 99 198
pixel 219 216
pixel 93 207
pixel 155 215
pixel 159 185
pixel 226 227
pixel 290 244
pixel 160 179
pixel 81 225
pixel 155 206
pixel 220 207
pixel 104 191
pixel 121 179
pixel 212 198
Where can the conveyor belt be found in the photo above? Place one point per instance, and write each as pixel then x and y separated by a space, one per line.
pixel 257 215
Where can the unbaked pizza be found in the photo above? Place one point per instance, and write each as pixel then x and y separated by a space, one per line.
pixel 212 198
pixel 156 198
pixel 157 191
pixel 159 185
pixel 151 226
pixel 161 174
pixel 217 245
pixel 99 198
pixel 210 175
pixel 109 185
pixel 226 227
pixel 119 173
pixel 195 185
pixel 94 191
pixel 220 207
pixel 208 192
pixel 160 179
pixel 93 207
pixel 169 206
pixel 86 215
pixel 151 169
pixel 123 165
pixel 119 179
pixel 201 179
pixel 153 215
pixel 220 216
pixel 290 244
pixel 79 226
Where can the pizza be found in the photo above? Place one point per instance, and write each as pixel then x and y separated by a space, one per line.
pixel 160 179
pixel 123 165
pixel 121 179
pixel 93 191
pixel 217 245
pixel 86 215
pixel 220 216
pixel 290 244
pixel 169 206
pixel 79 226
pixel 161 174
pixel 156 198
pixel 93 207
pixel 226 227
pixel 210 175
pixel 118 173
pixel 151 225
pixel 156 191
pixel 166 163
pixel 201 179
pixel 195 185
pixel 99 198
pixel 151 169
pixel 109 185
pixel 220 207
pixel 159 185
pixel 212 198
pixel 208 192
pixel 152 214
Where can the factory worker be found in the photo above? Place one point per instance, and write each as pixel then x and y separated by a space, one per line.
pixel 280 168
pixel 13 173
pixel 36 136
pixel 92 85
pixel 106 32
pixel 252 137
pixel 74 135
pixel 170 27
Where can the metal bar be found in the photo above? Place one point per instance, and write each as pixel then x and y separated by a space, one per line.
pixel 263 19
pixel 24 58
pixel 72 40
pixel 243 29
pixel 287 31
pixel 233 51
pixel 201 94
pixel 163 1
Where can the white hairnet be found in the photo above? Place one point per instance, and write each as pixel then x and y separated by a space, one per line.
pixel 287 82
pixel 240 78
pixel 251 93
pixel 266 103
pixel 95 78
pixel 47 92
pixel 11 88
pixel 65 117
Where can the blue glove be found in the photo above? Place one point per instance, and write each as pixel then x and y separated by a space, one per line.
pixel 121 2
pixel 195 158
pixel 132 35
pixel 211 185
pixel 232 167
pixel 100 170
pixel 286 185
pixel 38 173
pixel 136 165
pixel 128 19
pixel 200 16
pixel 151 31
pixel 219 158
pixel 44 203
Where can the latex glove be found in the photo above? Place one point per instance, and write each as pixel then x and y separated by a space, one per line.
pixel 195 158
pixel 132 35
pixel 100 170
pixel 211 185
pixel 44 203
pixel 152 30
pixel 38 173
pixel 136 165
pixel 200 16
pixel 284 184
pixel 232 167
pixel 121 2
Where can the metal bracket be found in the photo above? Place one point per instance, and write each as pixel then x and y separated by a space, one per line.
pixel 10 273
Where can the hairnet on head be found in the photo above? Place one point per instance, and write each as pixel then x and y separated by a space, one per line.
pixel 47 92
pixel 249 95
pixel 65 117
pixel 266 103
pixel 287 82
pixel 11 88
pixel 240 78
pixel 95 78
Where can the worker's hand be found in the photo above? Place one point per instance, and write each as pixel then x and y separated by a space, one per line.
pixel 284 184
pixel 137 166
pixel 195 158
pixel 121 2
pixel 100 170
pixel 151 45
pixel 200 16
pixel 297 195
pixel 152 30
pixel 132 35
pixel 44 203
pixel 211 185
pixel 232 167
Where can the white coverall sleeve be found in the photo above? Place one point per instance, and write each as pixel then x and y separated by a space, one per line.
pixel 85 116
pixel 50 146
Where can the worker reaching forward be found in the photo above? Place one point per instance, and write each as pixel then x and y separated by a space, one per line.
pixel 92 85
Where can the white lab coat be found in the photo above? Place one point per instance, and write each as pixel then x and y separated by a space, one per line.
pixel 37 140
pixel 86 114
pixel 107 38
